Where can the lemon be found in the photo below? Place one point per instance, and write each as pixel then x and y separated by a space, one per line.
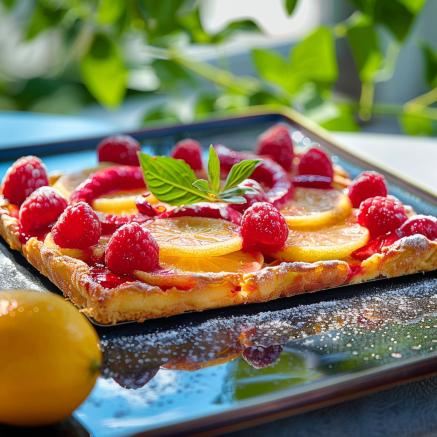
pixel 334 242
pixel 314 207
pixel 195 236
pixel 50 356
pixel 235 262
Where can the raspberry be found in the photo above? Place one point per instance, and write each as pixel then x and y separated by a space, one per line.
pixel 277 143
pixel 420 224
pixel 260 196
pixel 78 227
pixel 120 149
pixel 381 215
pixel 41 209
pixel 263 228
pixel 144 207
pixel 132 248
pixel 190 151
pixel 315 162
pixel 260 357
pixel 24 176
pixel 367 184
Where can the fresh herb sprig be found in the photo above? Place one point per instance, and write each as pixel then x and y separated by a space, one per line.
pixel 174 182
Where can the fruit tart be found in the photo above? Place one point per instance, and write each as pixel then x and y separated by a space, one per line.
pixel 140 237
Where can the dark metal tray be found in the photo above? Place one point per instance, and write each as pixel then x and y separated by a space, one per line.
pixel 187 375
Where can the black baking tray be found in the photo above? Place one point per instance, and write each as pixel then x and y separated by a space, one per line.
pixel 197 373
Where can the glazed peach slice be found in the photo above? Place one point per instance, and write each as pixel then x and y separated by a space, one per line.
pixel 195 236
pixel 315 208
pixel 329 243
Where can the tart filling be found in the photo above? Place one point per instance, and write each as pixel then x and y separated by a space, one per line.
pixel 131 242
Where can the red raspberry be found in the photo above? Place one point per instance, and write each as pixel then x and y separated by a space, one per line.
pixel 24 176
pixel 78 227
pixel 260 357
pixel 315 162
pixel 251 198
pixel 132 248
pixel 277 143
pixel 420 224
pixel 367 184
pixel 119 149
pixel 381 215
pixel 263 228
pixel 190 151
pixel 41 209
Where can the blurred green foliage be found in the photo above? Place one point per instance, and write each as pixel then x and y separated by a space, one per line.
pixel 112 49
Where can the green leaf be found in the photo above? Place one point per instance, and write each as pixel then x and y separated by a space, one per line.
pixel 171 180
pixel 109 11
pixel 314 60
pixel 416 125
pixel 193 25
pixel 233 199
pixel 8 3
pixel 103 72
pixel 430 64
pixel 239 172
pixel 235 27
pixel 160 113
pixel 334 117
pixel 214 169
pixel 43 18
pixel 272 67
pixel 202 185
pixel 205 104
pixel 363 41
pixel 266 98
pixel 290 5
pixel 171 74
pixel 397 15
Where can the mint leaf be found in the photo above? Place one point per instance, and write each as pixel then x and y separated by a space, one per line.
pixel 202 185
pixel 233 199
pixel 171 180
pixel 239 172
pixel 290 5
pixel 214 169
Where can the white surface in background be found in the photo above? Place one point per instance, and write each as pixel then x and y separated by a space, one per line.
pixel 415 157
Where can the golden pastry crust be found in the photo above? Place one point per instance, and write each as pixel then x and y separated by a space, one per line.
pixel 9 226
pixel 408 255
pixel 140 301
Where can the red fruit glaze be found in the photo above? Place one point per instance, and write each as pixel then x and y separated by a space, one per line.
pixel 77 228
pixel 205 209
pixel 420 224
pixel 190 151
pixel 375 246
pixel 107 279
pixel 381 215
pixel 119 149
pixel 276 142
pixel 315 162
pixel 312 181
pixel 131 248
pixel 268 172
pixel 107 181
pixel 41 209
pixel 24 176
pixel 144 207
pixel 260 357
pixel 250 198
pixel 263 228
pixel 110 223
pixel 367 184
